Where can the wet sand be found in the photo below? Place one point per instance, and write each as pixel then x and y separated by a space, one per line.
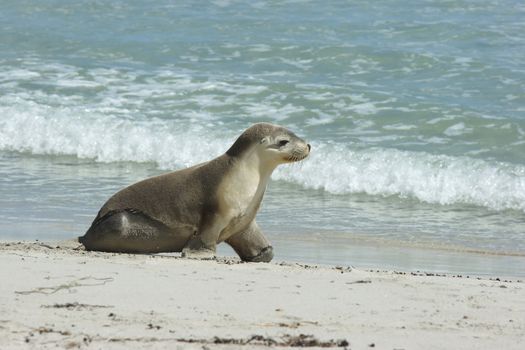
pixel 52 296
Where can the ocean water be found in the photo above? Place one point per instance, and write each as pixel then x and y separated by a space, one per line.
pixel 415 111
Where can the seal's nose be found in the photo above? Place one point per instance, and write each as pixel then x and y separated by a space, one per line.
pixel 309 147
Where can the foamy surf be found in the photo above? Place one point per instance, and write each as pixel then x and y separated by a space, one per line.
pixel 436 179
pixel 333 167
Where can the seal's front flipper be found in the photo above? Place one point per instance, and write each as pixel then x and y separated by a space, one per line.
pixel 251 245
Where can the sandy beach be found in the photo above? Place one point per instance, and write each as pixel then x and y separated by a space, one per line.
pixel 52 296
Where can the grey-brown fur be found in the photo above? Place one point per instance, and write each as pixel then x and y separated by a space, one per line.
pixel 189 210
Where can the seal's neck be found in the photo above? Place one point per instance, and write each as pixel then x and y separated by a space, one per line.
pixel 247 179
pixel 242 188
pixel 252 161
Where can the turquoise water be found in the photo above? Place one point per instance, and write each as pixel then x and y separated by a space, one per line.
pixel 415 111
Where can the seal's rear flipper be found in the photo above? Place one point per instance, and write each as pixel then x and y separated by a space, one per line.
pixel 128 231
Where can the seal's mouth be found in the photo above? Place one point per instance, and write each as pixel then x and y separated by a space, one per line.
pixel 296 159
pixel 297 156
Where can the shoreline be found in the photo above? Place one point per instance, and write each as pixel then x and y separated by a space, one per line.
pixel 54 295
pixel 376 254
pixel 390 256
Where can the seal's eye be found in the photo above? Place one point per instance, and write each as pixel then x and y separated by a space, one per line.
pixel 283 143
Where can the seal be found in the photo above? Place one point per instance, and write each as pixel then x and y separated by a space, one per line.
pixel 194 209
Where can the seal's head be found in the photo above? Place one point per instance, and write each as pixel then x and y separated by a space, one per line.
pixel 273 144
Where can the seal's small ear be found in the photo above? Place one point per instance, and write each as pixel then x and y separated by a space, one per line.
pixel 264 140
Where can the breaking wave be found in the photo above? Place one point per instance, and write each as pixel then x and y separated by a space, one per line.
pixel 333 167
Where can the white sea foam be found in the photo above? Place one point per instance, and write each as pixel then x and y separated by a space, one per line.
pixel 429 178
pixel 65 131
pixel 365 108
pixel 335 168
pixel 278 113
pixel 18 75
pixel 260 48
pixel 401 127
pixel 457 130
pixel 323 119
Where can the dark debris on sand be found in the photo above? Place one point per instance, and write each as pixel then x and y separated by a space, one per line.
pixel 300 341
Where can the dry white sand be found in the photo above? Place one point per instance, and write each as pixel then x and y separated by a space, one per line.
pixel 59 297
